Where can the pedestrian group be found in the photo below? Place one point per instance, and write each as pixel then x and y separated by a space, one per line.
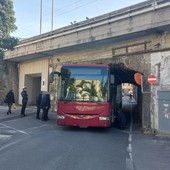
pixel 42 102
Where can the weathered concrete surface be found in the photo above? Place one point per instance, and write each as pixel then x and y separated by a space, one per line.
pixel 160 67
pixel 8 79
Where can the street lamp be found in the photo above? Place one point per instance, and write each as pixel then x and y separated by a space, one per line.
pixel 52 15
pixel 40 16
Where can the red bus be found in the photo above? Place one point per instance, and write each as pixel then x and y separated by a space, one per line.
pixel 86 95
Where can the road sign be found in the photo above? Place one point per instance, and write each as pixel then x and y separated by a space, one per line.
pixel 137 78
pixel 152 79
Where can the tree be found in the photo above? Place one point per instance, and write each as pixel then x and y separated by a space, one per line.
pixel 7 26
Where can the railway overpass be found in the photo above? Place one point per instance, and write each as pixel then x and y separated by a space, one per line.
pixel 143 19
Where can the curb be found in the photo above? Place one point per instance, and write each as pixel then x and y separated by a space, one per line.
pixel 15 117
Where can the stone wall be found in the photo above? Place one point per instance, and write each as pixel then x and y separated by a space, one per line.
pixel 8 79
pixel 161 69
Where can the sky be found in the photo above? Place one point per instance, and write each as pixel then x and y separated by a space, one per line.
pixel 27 13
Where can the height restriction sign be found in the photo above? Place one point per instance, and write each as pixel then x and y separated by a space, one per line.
pixel 152 79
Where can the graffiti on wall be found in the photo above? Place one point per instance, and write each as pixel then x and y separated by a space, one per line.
pixel 166 112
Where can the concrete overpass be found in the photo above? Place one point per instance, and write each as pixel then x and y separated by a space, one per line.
pixel 135 21
pixel 137 36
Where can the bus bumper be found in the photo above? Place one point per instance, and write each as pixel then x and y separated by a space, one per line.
pixel 83 120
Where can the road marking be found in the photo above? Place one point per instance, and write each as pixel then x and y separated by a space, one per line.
pixel 5 136
pixel 129 164
pixel 129 161
pixel 8 145
pixel 130 138
pixel 21 131
pixel 36 127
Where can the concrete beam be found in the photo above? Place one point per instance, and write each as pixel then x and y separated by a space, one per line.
pixel 146 18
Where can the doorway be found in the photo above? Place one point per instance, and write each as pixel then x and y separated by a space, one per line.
pixel 33 83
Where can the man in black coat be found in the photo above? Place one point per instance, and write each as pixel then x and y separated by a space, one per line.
pixel 45 105
pixel 38 102
pixel 9 99
pixel 24 101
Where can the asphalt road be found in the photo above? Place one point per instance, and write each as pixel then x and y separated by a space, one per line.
pixel 32 144
pixel 27 143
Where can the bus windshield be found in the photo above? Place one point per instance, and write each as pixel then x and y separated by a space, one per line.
pixel 84 83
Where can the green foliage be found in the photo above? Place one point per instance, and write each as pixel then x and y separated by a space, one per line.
pixel 7 26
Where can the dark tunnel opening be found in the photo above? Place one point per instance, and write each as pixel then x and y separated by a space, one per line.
pixel 131 103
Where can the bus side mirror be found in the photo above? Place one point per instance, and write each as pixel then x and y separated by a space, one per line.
pixel 112 79
pixel 51 77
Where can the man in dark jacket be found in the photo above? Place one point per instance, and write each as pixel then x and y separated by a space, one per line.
pixel 24 101
pixel 45 105
pixel 9 99
pixel 38 102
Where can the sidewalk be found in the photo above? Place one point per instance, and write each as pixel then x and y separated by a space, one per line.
pixel 16 113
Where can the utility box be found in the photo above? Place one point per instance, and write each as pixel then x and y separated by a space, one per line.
pixel 164 110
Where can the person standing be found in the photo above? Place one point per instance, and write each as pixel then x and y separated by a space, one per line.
pixel 24 101
pixel 130 94
pixel 10 100
pixel 38 102
pixel 45 105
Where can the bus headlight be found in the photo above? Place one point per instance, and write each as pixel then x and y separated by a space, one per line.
pixel 103 118
pixel 60 117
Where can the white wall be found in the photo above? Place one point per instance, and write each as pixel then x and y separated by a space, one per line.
pixel 28 71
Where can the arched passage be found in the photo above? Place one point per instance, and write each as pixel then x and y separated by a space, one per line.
pixel 134 107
